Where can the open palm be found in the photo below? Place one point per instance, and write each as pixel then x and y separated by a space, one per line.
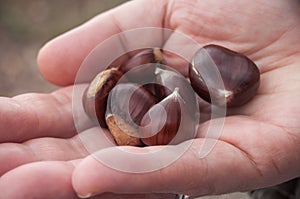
pixel 42 156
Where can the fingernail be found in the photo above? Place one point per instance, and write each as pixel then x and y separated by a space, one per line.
pixel 84 196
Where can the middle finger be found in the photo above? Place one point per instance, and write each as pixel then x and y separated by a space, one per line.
pixel 46 149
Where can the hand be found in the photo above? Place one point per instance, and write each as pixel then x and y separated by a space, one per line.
pixel 259 145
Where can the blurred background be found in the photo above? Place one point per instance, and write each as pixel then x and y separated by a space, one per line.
pixel 25 26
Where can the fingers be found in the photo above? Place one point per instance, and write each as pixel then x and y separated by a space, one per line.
pixel 38 180
pixel 255 152
pixel 189 174
pixel 14 154
pixel 36 115
pixel 52 149
pixel 50 180
pixel 60 59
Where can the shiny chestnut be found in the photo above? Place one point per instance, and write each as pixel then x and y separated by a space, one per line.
pixel 130 101
pixel 134 69
pixel 126 106
pixel 125 99
pixel 95 96
pixel 224 77
pixel 163 129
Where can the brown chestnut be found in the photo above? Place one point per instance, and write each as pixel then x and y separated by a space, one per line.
pixel 146 56
pixel 95 96
pixel 158 90
pixel 156 130
pixel 126 106
pixel 171 79
pixel 240 76
pixel 122 132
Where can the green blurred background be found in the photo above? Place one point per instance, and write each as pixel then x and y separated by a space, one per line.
pixel 26 25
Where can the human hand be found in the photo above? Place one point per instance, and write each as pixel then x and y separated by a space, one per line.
pixel 40 147
pixel 260 141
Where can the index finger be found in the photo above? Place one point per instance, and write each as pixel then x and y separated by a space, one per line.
pixel 34 115
pixel 60 59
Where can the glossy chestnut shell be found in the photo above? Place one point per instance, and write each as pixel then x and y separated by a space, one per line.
pixel 240 76
pixel 125 109
pixel 95 96
pixel 165 130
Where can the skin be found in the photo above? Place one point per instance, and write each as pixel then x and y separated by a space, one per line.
pixel 260 142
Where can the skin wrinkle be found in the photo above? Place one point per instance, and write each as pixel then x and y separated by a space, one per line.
pixel 211 188
pixel 120 29
pixel 271 90
pixel 163 6
pixel 32 151
pixel 42 149
pixel 191 18
pixel 258 165
pixel 276 63
pixel 46 149
pixel 34 119
pixel 283 58
pixel 77 144
pixel 248 156
pixel 284 120
pixel 285 129
pixel 260 49
pixel 62 100
pixel 194 152
pixel 167 7
pixel 290 58
pixel 30 114
pixel 256 116
pixel 292 139
pixel 242 185
pixel 266 97
pixel 15 153
pixel 181 167
pixel 60 115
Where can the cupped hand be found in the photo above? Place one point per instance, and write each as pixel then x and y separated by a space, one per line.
pixel 259 143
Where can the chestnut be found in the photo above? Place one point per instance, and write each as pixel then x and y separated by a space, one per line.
pixel 122 132
pixel 126 106
pixel 158 90
pixel 158 130
pixel 240 76
pixel 171 80
pixel 145 56
pixel 95 96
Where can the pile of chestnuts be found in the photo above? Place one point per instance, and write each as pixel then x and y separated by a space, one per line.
pixel 144 103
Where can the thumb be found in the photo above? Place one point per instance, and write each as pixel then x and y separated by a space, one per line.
pixel 186 173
